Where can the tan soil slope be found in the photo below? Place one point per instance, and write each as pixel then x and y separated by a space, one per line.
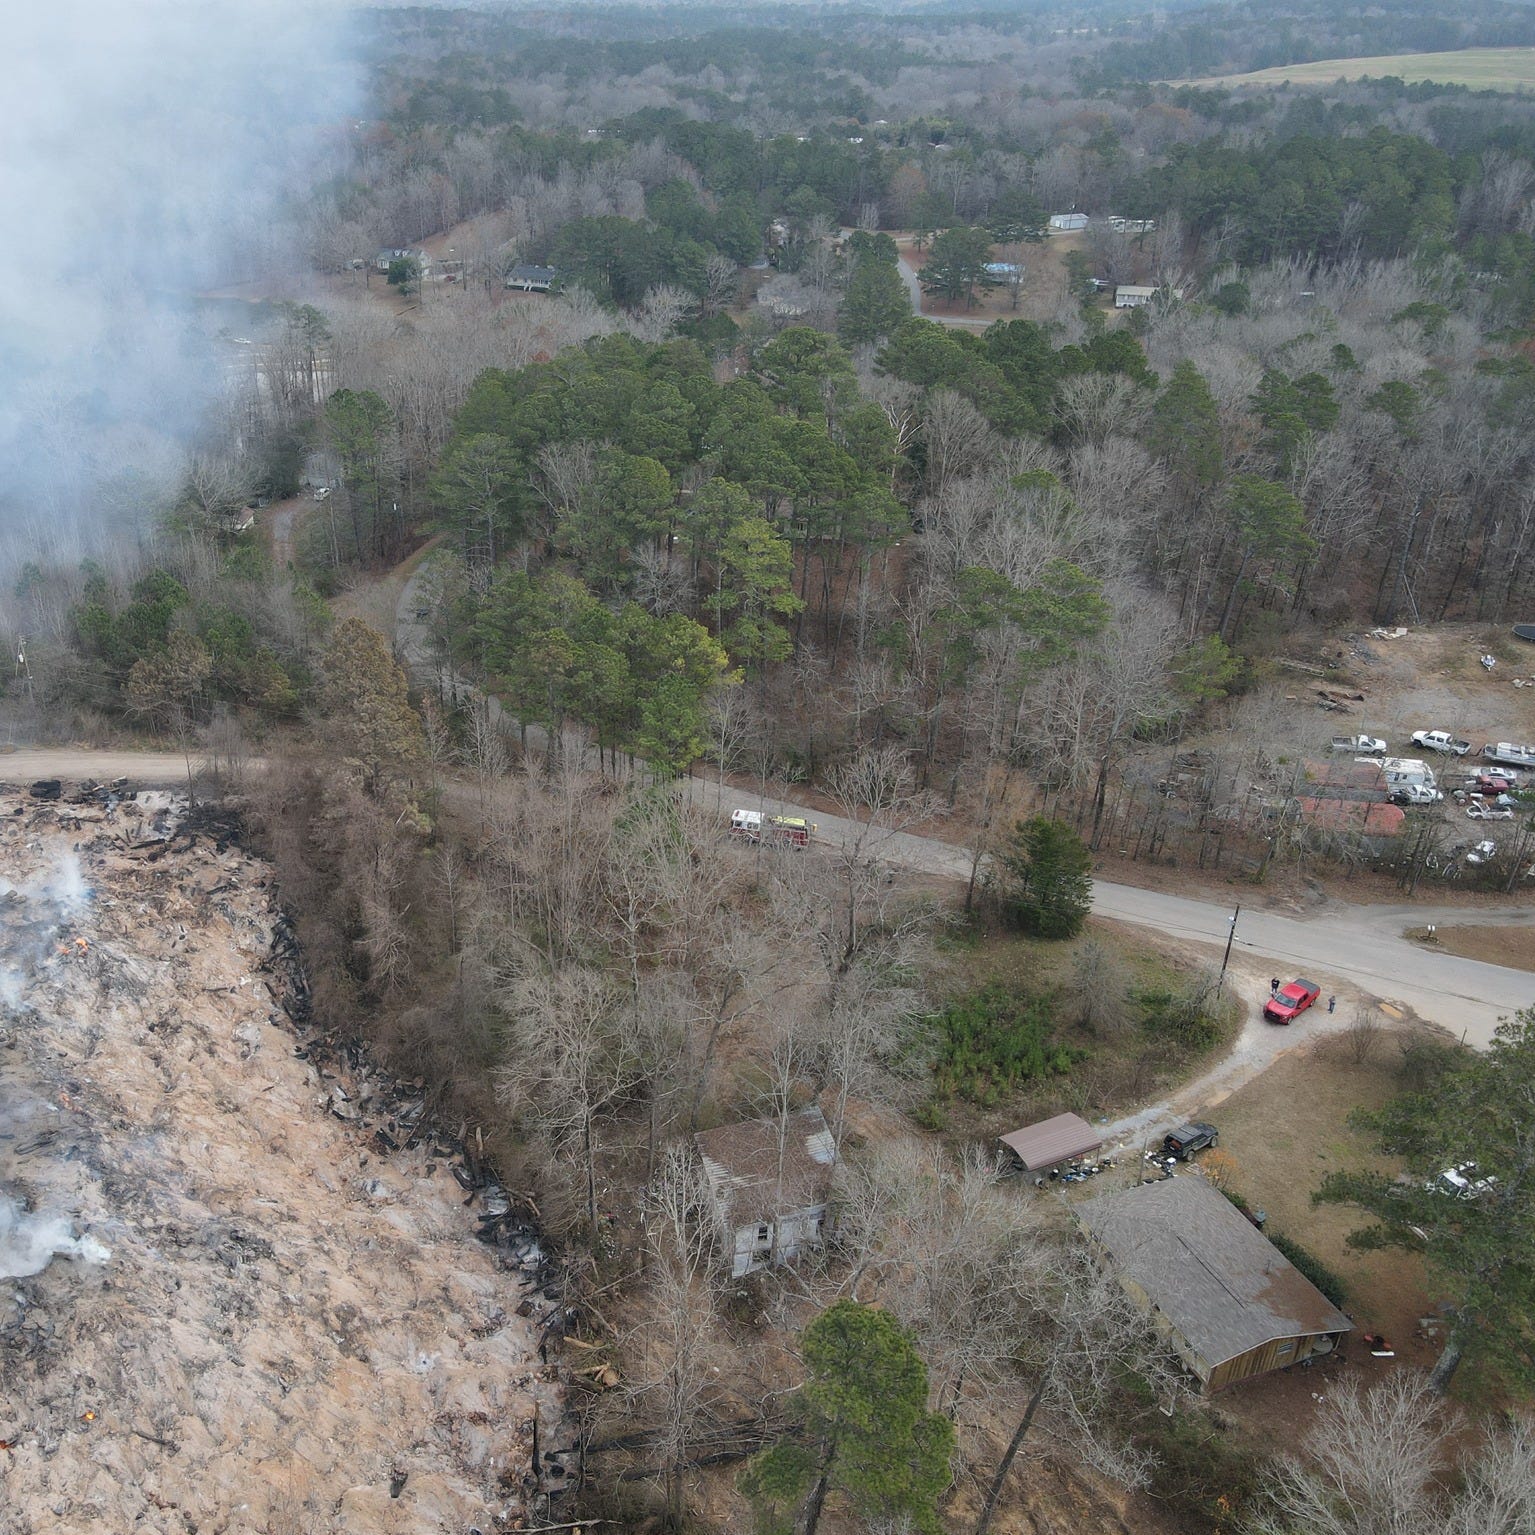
pixel 287 1325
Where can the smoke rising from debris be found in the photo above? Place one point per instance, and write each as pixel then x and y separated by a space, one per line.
pixel 149 152
pixel 33 915
pixel 28 1243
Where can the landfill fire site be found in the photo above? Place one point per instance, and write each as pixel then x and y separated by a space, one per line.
pixel 247 1281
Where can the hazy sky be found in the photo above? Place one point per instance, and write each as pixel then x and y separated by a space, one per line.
pixel 146 150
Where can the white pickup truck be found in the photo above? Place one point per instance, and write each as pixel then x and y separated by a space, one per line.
pixel 1440 741
pixel 1364 746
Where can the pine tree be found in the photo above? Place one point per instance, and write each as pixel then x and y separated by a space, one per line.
pixel 1046 883
pixel 865 1431
pixel 1481 1248
pixel 1185 429
pixel 368 703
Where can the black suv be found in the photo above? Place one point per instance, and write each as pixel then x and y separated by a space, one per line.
pixel 1187 1139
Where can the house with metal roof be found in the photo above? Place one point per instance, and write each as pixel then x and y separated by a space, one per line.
pixel 1129 295
pixel 532 279
pixel 771 1181
pixel 1228 1302
pixel 1044 1146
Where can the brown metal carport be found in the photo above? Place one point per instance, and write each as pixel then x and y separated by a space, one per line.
pixel 1052 1142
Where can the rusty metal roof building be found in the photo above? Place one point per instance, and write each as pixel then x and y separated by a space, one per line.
pixel 752 1182
pixel 1232 1301
pixel 1052 1141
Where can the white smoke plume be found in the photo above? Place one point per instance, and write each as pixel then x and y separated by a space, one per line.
pixel 32 915
pixel 149 150
pixel 29 1242
pixel 45 906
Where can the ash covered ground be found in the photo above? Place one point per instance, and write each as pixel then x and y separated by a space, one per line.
pixel 224 1306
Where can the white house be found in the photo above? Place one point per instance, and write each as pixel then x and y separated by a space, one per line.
pixel 1132 295
pixel 1068 221
pixel 531 279
pixel 386 259
pixel 771 1180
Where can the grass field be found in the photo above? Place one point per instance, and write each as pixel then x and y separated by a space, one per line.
pixel 1484 69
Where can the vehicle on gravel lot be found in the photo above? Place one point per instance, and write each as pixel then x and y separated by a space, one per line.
pixel 1289 1002
pixel 1364 746
pixel 1407 770
pixel 1183 1142
pixel 1483 852
pixel 1510 753
pixel 1440 741
pixel 1494 782
pixel 1479 810
pixel 1415 794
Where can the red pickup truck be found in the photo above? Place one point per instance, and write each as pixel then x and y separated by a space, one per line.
pixel 1289 1002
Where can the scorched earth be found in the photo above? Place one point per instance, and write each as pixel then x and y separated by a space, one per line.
pixel 222 1306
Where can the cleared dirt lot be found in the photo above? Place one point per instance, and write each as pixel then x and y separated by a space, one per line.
pixel 1430 679
pixel 1041 292
pixel 1511 946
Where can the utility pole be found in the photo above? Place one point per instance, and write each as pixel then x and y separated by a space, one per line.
pixel 1230 939
pixel 22 669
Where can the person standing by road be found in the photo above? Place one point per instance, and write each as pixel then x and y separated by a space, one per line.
pixel 1332 1004
pixel 1274 987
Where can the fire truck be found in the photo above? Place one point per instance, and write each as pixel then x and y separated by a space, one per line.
pixel 776 830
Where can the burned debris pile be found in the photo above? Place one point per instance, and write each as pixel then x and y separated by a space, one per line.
pixel 247 1279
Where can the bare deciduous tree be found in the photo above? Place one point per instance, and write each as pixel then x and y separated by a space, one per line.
pixel 674 1350
pixel 1363 1034
pixel 571 1055
pixel 1100 985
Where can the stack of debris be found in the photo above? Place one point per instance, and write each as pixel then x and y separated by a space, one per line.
pixel 239 1281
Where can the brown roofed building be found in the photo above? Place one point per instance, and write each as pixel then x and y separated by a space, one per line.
pixel 1053 1141
pixel 1229 1303
pixel 771 1180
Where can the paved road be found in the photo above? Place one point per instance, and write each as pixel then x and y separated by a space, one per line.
pixel 1345 948
pixel 1340 946
pixel 1348 949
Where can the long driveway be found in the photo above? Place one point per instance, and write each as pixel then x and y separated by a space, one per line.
pixel 914 289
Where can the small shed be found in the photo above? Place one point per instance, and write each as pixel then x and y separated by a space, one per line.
pixel 1228 1302
pixel 771 1181
pixel 1053 1141
pixel 1068 221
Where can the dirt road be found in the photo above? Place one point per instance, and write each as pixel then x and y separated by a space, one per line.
pixel 146 770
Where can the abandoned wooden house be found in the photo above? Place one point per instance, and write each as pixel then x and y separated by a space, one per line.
pixel 771 1180
pixel 1229 1303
